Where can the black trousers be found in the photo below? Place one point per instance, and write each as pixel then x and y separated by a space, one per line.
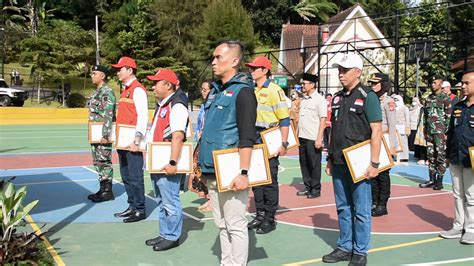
pixel 381 188
pixel 310 164
pixel 267 196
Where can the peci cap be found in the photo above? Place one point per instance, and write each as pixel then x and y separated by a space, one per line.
pixel 125 61
pixel 260 61
pixel 350 60
pixel 102 69
pixel 378 77
pixel 165 74
pixel 310 77
pixel 445 84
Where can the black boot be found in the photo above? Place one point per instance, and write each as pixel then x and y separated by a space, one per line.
pixel 91 196
pixel 380 210
pixel 267 226
pixel 107 194
pixel 255 223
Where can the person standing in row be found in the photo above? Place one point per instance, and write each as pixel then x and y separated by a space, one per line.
pixel 272 111
pixel 102 109
pixel 460 139
pixel 312 121
pixel 169 125
pixel 403 126
pixel 132 111
pixel 231 112
pixel 415 109
pixel 381 184
pixel 436 120
pixel 356 117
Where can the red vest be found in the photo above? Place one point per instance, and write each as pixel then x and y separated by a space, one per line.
pixel 162 127
pixel 127 113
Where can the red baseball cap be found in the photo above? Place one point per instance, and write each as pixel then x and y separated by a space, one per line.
pixel 260 61
pixel 164 74
pixel 125 61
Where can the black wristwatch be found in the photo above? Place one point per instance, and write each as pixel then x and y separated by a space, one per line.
pixel 244 172
pixel 285 144
pixel 172 162
pixel 374 164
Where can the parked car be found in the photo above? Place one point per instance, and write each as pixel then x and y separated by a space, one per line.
pixel 10 96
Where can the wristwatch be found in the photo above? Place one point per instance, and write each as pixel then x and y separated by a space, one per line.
pixel 285 144
pixel 244 172
pixel 374 164
pixel 172 162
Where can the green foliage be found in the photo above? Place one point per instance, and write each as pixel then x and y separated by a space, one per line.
pixel 15 247
pixel 76 100
pixel 308 9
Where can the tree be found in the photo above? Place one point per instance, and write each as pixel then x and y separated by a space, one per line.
pixel 321 9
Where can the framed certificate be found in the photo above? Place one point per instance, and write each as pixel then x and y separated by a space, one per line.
pixel 358 159
pixel 125 136
pixel 95 132
pixel 272 139
pixel 227 165
pixel 159 157
pixel 471 155
pixel 386 137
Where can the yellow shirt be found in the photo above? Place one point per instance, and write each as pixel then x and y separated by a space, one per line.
pixel 272 106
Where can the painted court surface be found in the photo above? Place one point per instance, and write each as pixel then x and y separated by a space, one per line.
pixel 54 162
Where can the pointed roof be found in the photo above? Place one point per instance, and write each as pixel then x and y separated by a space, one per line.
pixel 336 20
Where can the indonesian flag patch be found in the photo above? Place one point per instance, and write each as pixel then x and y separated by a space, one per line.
pixel 228 93
pixel 359 102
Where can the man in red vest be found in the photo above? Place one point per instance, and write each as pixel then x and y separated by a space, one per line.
pixel 132 111
pixel 169 125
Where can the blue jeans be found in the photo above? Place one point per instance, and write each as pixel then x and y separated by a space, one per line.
pixel 169 205
pixel 353 202
pixel 131 170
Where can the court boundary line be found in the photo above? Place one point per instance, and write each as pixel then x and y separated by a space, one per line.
pixel 52 251
pixel 440 262
pixel 396 246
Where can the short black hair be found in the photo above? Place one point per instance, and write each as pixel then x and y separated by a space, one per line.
pixel 234 44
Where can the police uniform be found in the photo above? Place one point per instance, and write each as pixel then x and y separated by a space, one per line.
pixel 102 110
pixel 436 120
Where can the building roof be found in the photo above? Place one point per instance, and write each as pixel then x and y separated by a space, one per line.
pixel 335 21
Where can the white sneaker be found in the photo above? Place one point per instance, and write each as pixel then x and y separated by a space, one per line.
pixel 467 238
pixel 451 234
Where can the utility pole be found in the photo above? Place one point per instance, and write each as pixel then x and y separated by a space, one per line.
pixel 97 51
pixel 397 52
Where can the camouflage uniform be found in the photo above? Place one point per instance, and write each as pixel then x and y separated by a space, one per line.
pixel 102 109
pixel 436 121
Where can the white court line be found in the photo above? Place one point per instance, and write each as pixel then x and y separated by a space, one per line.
pixel 441 262
pixel 40 168
pixel 42 152
pixel 45 137
pixel 41 131
pixel 146 195
pixel 55 182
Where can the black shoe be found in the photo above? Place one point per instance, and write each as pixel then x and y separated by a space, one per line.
pixel 106 194
pixel 154 241
pixel 135 217
pixel 91 196
pixel 165 245
pixel 337 255
pixel 358 260
pixel 266 227
pixel 302 193
pixel 427 184
pixel 255 223
pixel 313 195
pixel 379 211
pixel 437 187
pixel 125 213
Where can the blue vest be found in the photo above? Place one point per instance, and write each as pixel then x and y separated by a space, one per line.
pixel 220 123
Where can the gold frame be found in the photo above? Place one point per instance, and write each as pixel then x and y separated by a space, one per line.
pixel 179 171
pixel 292 128
pixel 381 169
pixel 471 155
pixel 215 156
pixel 117 130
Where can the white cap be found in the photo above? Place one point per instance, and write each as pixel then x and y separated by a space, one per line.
pixel 350 60
pixel 445 84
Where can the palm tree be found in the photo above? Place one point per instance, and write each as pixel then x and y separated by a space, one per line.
pixel 308 9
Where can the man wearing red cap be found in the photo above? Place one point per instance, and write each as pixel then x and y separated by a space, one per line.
pixel 271 111
pixel 133 111
pixel 169 125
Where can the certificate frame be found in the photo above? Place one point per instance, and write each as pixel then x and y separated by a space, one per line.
pixel 92 126
pixel 272 139
pixel 399 138
pixel 226 159
pixel 471 155
pixel 357 159
pixel 120 143
pixel 160 152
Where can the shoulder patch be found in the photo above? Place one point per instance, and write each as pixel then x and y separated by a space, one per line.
pixel 391 106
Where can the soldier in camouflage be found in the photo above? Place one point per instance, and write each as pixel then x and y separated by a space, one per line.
pixel 102 109
pixel 436 121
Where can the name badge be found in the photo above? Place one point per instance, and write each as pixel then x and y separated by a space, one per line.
pixel 163 113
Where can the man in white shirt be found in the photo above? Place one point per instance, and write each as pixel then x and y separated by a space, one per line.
pixel 312 121
pixel 169 125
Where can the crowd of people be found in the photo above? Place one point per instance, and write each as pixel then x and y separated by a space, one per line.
pixel 238 106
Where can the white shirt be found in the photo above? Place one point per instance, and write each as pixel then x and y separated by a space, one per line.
pixel 178 117
pixel 141 105
pixel 312 109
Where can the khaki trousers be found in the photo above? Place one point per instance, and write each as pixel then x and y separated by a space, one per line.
pixel 463 190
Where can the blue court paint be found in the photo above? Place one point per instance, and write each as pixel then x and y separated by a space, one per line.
pixel 416 171
pixel 62 195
